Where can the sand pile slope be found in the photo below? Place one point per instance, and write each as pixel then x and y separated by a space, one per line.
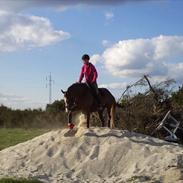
pixel 94 155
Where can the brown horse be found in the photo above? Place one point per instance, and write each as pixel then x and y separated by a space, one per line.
pixel 79 97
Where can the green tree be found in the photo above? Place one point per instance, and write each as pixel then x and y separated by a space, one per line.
pixel 177 97
pixel 56 106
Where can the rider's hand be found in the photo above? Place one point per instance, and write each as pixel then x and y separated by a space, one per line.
pixel 93 82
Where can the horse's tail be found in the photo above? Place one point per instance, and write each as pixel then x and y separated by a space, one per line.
pixel 113 113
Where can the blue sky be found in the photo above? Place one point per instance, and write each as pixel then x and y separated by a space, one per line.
pixel 120 35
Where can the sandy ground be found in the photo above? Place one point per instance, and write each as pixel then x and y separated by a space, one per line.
pixel 94 155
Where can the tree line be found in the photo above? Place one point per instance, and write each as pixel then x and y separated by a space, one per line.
pixel 136 114
pixel 52 117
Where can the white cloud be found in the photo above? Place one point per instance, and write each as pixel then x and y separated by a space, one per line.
pixel 18 5
pixel 106 43
pixel 21 31
pixel 176 71
pixel 95 58
pixel 19 102
pixel 114 86
pixel 15 98
pixel 160 56
pixel 109 15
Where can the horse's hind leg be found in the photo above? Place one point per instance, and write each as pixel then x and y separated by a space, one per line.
pixel 88 119
pixel 101 118
pixel 109 117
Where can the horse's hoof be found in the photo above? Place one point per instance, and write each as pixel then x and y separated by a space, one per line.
pixel 71 125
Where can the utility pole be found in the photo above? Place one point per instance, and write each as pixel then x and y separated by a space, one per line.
pixel 49 85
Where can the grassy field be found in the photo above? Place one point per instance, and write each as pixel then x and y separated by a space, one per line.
pixel 11 136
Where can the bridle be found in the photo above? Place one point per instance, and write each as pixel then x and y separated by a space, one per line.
pixel 67 108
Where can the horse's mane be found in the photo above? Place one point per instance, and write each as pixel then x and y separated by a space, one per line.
pixel 74 85
pixel 77 87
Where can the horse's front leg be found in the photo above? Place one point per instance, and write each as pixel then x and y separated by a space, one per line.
pixel 88 119
pixel 70 117
pixel 70 124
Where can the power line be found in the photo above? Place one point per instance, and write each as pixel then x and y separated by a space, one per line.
pixel 49 82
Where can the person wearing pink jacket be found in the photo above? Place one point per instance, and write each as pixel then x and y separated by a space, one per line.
pixel 89 72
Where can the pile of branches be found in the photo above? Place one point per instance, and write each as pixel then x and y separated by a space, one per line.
pixel 144 109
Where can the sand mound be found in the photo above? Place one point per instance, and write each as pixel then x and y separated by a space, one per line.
pixel 94 155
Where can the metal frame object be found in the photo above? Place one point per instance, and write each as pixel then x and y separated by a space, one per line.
pixel 172 136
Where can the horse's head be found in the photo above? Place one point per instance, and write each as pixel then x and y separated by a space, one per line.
pixel 73 95
pixel 69 100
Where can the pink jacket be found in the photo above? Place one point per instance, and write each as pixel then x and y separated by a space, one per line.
pixel 89 72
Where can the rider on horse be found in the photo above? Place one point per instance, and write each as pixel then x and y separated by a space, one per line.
pixel 78 96
pixel 90 73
